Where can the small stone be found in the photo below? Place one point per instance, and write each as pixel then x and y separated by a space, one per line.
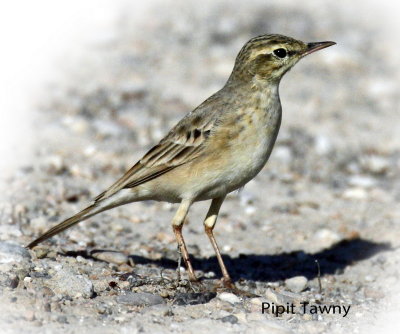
pixel 362 181
pixel 62 319
pixel 27 281
pixel 355 193
pixel 159 311
pixel 41 252
pixel 296 284
pixel 256 301
pixel 318 297
pixel 54 164
pixel 250 210
pixel 101 308
pixel 125 267
pixel 164 293
pixel 369 278
pixel 229 297
pixel 282 298
pixel 193 298
pixel 13 253
pixel 13 281
pixel 9 280
pixel 39 224
pixel 66 282
pixel 230 319
pixel 241 316
pixel 140 299
pixel 209 274
pixel 227 248
pixel 47 307
pixel 375 164
pixel 322 145
pixel 111 257
pixel 324 238
pixel 255 304
pixel 30 315
pixel 373 293
pixel 283 153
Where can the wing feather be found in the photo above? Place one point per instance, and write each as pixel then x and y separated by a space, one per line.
pixel 184 143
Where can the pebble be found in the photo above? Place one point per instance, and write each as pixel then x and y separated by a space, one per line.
pixel 256 303
pixel 355 193
pixel 241 316
pixel 230 319
pixel 296 284
pixel 159 311
pixel 9 280
pixel 39 224
pixel 101 308
pixel 282 298
pixel 283 153
pixel 106 128
pixel 62 319
pixel 325 238
pixel 30 315
pixel 140 299
pixel 54 164
pixel 13 253
pixel 193 298
pixel 362 181
pixel 41 252
pixel 68 283
pixel 229 297
pixel 373 293
pixel 375 164
pixel 323 145
pixel 111 257
pixel 14 259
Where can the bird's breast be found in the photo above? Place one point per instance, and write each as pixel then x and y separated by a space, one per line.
pixel 260 129
pixel 248 142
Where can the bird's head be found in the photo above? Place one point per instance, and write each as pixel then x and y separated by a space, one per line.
pixel 269 57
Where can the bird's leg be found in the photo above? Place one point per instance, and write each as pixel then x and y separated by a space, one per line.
pixel 209 224
pixel 177 224
pixel 178 269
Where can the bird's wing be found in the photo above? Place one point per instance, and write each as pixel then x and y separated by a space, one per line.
pixel 185 142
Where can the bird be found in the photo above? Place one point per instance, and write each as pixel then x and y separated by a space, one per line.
pixel 214 149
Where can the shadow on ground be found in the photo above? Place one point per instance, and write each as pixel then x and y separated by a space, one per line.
pixel 269 268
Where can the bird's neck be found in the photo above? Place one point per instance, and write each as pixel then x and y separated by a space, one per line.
pixel 258 92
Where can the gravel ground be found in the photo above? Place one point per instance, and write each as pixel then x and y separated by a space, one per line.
pixel 328 196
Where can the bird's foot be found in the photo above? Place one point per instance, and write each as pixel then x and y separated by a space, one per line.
pixel 227 285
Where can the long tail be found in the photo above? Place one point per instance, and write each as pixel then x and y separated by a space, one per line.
pixel 82 215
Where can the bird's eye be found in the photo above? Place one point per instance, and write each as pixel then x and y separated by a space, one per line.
pixel 281 53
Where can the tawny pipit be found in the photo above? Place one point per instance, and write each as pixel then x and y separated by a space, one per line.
pixel 216 148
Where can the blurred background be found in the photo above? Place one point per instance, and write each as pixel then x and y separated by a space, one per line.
pixel 87 87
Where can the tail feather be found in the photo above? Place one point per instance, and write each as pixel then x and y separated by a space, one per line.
pixel 82 215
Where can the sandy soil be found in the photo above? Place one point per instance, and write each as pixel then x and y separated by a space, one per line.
pixel 328 194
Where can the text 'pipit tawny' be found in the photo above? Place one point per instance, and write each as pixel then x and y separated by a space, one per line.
pixel 216 148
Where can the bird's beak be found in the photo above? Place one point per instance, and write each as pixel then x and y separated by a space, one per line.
pixel 312 47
